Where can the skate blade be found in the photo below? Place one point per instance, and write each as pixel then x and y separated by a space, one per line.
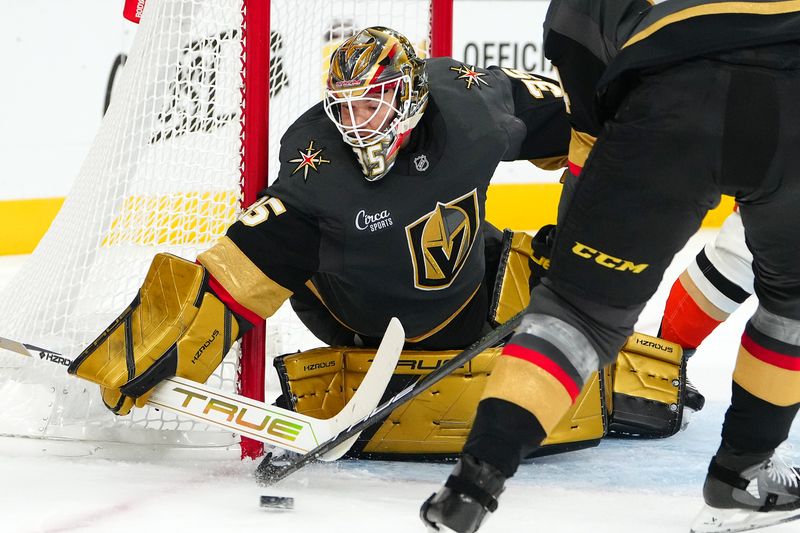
pixel 439 529
pixel 711 520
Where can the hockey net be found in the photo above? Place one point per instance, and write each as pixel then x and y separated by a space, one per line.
pixel 180 150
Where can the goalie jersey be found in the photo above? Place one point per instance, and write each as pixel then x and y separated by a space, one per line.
pixel 409 245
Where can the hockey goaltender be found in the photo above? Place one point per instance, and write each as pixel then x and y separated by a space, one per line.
pixel 379 211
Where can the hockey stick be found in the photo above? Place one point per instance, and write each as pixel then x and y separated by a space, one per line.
pixel 266 423
pixel 269 472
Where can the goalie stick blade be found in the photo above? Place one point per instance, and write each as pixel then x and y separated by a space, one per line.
pixel 269 472
pixel 33 351
pixel 711 520
pixel 14 346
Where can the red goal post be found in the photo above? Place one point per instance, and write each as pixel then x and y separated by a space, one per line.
pixel 255 161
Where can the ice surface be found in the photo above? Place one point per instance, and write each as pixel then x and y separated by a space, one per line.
pixel 621 486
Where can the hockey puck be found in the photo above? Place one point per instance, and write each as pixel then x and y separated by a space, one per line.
pixel 280 503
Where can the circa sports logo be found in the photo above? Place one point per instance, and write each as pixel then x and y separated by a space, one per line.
pixel 373 221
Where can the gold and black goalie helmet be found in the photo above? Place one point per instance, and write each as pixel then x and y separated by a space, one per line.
pixel 377 90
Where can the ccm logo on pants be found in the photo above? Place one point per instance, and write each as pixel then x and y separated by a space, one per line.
pixel 608 261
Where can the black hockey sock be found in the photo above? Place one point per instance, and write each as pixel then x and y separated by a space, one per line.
pixel 754 425
pixel 738 460
pixel 503 433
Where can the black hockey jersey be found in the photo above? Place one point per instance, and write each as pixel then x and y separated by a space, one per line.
pixel 598 46
pixel 409 245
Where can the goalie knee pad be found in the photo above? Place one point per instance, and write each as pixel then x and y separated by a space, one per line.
pixel 175 326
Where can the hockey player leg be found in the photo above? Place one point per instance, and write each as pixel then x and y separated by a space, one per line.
pixel 473 488
pixel 714 285
pixel 746 486
pixel 533 385
pixel 175 326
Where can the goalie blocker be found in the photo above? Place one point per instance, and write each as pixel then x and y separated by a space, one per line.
pixel 641 395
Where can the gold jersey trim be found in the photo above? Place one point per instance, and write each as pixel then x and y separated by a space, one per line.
pixel 550 163
pixel 243 280
pixel 580 144
pixel 748 8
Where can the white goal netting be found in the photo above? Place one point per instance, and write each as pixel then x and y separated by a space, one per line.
pixel 164 175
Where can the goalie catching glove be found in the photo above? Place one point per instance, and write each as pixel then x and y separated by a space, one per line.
pixel 174 327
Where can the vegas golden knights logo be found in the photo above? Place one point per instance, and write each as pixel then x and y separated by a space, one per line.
pixel 440 241
pixel 356 56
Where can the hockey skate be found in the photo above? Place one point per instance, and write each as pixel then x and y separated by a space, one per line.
pixel 762 495
pixel 692 398
pixel 468 494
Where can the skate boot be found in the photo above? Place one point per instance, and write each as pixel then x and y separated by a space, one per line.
pixel 761 495
pixel 692 399
pixel 468 494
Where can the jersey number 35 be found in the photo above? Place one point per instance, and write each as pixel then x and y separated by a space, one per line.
pixel 260 211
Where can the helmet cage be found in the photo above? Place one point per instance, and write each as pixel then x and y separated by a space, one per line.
pixel 389 98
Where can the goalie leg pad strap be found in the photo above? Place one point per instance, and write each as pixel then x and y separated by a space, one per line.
pixel 115 401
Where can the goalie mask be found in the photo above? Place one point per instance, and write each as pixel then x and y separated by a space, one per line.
pixel 376 93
